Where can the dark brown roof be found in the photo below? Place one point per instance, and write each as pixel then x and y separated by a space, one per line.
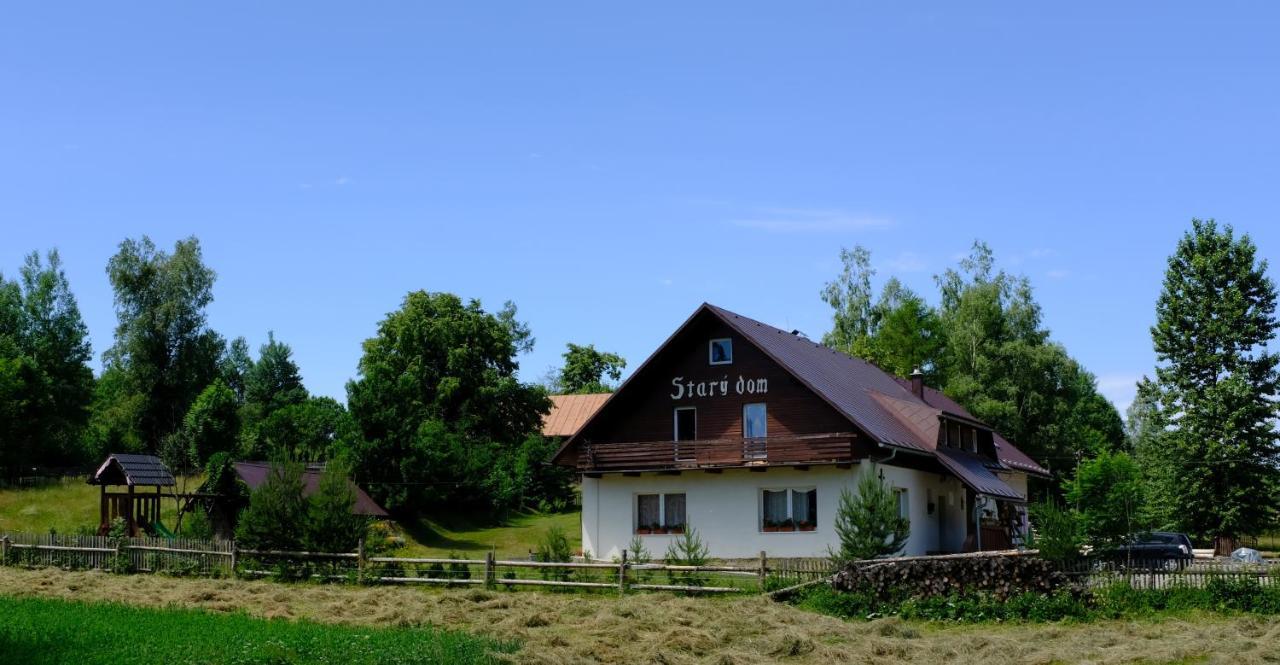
pixel 570 412
pixel 882 405
pixel 254 474
pixel 130 469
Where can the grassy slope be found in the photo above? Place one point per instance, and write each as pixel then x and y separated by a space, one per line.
pixel 38 631
pixel 512 539
pixel 71 504
pixel 587 628
pixel 66 506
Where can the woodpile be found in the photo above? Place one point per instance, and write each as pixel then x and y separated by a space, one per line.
pixel 1002 574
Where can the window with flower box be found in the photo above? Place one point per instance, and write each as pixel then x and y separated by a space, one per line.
pixel 660 513
pixel 788 509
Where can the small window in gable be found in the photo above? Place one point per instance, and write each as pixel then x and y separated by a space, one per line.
pixel 720 351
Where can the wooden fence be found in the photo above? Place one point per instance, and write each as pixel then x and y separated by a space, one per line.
pixel 1167 573
pixel 222 558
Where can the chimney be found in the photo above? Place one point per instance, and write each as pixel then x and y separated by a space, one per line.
pixel 917 383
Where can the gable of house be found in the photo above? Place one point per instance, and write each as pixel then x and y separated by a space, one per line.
pixel 808 389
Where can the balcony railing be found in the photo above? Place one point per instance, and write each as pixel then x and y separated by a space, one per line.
pixel 834 448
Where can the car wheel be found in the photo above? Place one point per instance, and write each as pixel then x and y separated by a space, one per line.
pixel 1172 565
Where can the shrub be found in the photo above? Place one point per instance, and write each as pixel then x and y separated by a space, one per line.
pixel 1057 533
pixel 687 550
pixel 554 547
pixel 868 523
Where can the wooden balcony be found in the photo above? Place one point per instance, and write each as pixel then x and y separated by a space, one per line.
pixel 836 448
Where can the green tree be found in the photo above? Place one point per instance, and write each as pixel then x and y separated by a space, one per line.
pixel 985 346
pixel 274 381
pixel 1214 319
pixel 1001 365
pixel 318 429
pixel 439 404
pixel 868 523
pixel 1108 493
pixel 277 513
pixel 898 331
pixel 271 383
pixel 850 296
pixel 45 379
pixel 1055 532
pixel 164 351
pixel 236 366
pixel 212 424
pixel 331 526
pixel 585 370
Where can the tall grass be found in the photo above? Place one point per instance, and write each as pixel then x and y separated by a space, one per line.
pixel 36 631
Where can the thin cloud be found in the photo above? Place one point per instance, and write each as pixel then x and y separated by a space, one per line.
pixel 342 180
pixel 787 220
pixel 907 262
pixel 1058 274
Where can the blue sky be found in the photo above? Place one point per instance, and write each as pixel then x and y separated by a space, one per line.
pixel 610 168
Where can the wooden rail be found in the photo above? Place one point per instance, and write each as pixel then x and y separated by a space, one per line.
pixel 834 448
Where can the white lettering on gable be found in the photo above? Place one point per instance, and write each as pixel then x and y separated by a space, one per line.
pixel 682 388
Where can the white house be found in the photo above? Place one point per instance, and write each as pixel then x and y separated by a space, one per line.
pixel 749 433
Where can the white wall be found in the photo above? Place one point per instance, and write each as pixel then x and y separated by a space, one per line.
pixel 725 509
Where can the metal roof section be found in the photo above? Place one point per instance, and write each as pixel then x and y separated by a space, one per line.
pixel 974 471
pixel 570 412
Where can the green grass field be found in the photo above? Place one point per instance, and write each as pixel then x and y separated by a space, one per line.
pixel 37 631
pixel 71 505
pixel 513 538
pixel 66 506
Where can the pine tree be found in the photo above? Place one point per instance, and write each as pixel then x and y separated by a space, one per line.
pixel 1218 385
pixel 331 526
pixel 276 516
pixel 868 523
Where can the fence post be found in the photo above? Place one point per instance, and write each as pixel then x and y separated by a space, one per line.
pixel 360 561
pixel 622 574
pixel 233 557
pixel 764 568
pixel 4 550
pixel 489 573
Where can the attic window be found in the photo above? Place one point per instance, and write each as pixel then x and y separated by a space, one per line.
pixel 720 351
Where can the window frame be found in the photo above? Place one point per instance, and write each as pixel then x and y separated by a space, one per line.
pixel 665 529
pixel 675 422
pixel 903 497
pixel 791 492
pixel 711 345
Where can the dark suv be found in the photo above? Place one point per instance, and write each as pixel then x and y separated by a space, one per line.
pixel 1155 550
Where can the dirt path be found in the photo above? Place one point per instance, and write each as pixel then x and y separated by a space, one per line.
pixel 571 628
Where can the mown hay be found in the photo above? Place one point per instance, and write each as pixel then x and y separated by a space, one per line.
pixel 649 628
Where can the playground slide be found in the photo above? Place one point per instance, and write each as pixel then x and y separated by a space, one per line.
pixel 162 531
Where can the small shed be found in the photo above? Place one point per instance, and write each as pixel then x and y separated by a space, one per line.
pixel 139 509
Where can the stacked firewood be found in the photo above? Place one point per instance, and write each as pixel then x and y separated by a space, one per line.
pixel 1000 574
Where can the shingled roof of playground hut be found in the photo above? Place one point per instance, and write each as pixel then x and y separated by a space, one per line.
pixel 131 469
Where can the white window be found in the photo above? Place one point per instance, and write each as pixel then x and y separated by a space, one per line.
pixel 660 513
pixel 789 509
pixel 720 351
pixel 755 424
pixel 904 504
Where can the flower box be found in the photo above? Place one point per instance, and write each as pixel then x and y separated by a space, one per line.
pixel 807 527
pixel 643 530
